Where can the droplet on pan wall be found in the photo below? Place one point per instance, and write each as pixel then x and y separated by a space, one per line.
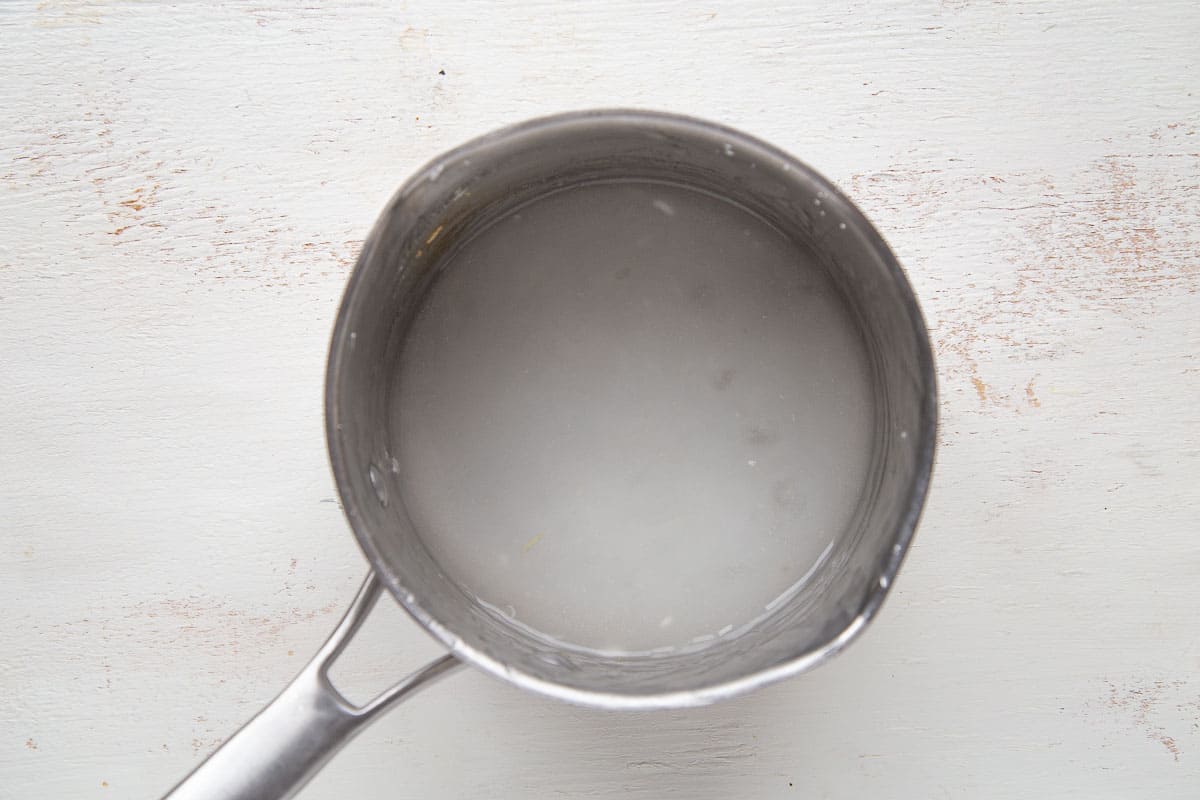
pixel 376 478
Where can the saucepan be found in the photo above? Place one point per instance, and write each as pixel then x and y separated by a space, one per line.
pixel 493 181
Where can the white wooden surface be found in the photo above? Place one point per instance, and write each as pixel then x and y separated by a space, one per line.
pixel 184 187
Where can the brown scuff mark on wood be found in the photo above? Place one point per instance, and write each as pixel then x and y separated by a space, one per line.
pixel 1031 396
pixel 1139 704
pixel 1114 236
pixel 208 623
pixel 129 211
pixel 201 745
pixel 980 388
pixel 67 13
pixel 203 738
pixel 138 201
pixel 1115 250
pixel 1169 743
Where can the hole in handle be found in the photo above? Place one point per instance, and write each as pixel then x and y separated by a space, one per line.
pixel 384 650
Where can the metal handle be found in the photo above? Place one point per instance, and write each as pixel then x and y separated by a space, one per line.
pixel 288 742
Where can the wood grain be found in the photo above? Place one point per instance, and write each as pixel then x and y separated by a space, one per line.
pixel 184 187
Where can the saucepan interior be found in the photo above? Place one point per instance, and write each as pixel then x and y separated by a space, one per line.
pixel 465 191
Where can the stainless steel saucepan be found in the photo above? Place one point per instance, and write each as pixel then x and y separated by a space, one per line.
pixel 444 204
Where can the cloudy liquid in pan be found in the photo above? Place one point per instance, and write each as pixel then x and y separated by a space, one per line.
pixel 631 416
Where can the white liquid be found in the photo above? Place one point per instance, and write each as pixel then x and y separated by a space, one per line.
pixel 631 416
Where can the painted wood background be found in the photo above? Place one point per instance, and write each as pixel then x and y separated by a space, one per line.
pixel 183 188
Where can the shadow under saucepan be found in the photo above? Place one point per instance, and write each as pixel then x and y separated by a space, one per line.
pixel 472 736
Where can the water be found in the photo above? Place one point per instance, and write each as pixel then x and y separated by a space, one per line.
pixel 631 416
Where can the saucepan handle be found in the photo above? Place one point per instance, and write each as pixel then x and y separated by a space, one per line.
pixel 278 751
